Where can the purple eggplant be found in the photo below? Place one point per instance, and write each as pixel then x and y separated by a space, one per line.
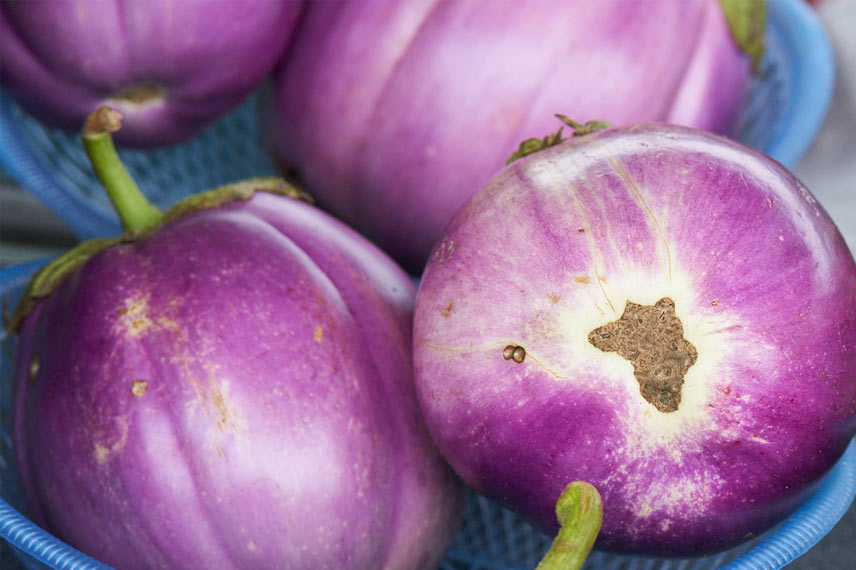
pixel 655 310
pixel 406 108
pixel 227 386
pixel 169 66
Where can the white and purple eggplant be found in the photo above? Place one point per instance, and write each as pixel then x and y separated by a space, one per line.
pixel 227 386
pixel 656 310
pixel 169 66
pixel 406 108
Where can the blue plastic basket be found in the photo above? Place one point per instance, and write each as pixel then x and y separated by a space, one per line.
pixel 787 104
pixel 490 537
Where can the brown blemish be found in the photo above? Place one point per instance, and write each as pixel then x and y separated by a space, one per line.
pixel 715 302
pixel 581 230
pixel 140 93
pixel 514 352
pixel 444 251
pixel 101 120
pixel 319 333
pixel 445 312
pixel 553 297
pixel 104 450
pixel 132 307
pixel 34 367
pixel 138 388
pixel 220 404
pixel 133 316
pixel 226 419
pixel 101 453
pixel 652 339
pixel 582 279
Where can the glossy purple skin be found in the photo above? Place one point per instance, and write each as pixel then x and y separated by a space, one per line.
pixel 279 426
pixel 64 58
pixel 407 108
pixel 553 248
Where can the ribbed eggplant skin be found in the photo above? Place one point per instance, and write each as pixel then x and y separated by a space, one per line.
pixel 64 58
pixel 553 248
pixel 234 391
pixel 406 108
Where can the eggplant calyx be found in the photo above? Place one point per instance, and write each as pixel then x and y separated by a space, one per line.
pixel 235 192
pixel 746 21
pixel 533 145
pixel 47 279
pixel 580 513
pixel 51 275
pixel 138 216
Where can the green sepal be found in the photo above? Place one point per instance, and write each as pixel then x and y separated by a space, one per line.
pixel 51 275
pixel 747 20
pixel 531 146
pixel 582 129
pixel 235 192
pixel 47 279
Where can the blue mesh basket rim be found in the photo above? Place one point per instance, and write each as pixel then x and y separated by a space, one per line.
pixel 812 74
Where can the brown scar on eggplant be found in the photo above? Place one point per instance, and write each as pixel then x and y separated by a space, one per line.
pixel 139 387
pixel 34 367
pixel 651 337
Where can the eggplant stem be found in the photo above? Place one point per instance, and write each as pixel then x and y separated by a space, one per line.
pixel 580 513
pixel 135 212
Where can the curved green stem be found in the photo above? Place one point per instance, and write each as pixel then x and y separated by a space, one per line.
pixel 135 211
pixel 580 512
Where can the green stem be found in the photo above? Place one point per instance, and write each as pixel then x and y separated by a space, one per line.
pixel 580 512
pixel 135 211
